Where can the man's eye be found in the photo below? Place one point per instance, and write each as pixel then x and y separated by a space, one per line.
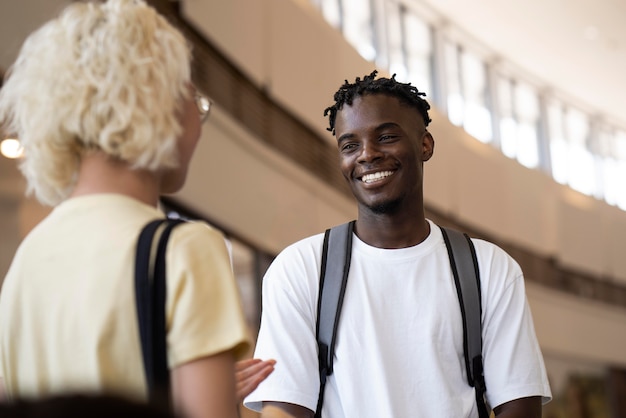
pixel 348 147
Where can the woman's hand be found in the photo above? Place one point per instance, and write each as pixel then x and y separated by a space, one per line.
pixel 249 373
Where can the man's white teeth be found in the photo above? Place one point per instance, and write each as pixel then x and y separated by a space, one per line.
pixel 369 178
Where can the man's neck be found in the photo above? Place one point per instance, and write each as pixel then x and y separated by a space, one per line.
pixel 392 230
pixel 101 174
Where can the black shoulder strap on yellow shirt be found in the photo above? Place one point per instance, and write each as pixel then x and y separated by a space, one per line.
pixel 150 297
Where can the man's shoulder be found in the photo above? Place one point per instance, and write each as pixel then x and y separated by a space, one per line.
pixel 312 242
pixel 305 253
pixel 494 260
pixel 489 249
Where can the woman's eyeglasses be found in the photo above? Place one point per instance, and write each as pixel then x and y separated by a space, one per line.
pixel 204 106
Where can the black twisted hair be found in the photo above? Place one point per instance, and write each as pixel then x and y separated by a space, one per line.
pixel 404 92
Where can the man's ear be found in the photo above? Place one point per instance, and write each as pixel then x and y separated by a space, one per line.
pixel 428 146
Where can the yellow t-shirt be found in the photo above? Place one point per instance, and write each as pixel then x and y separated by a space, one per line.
pixel 67 305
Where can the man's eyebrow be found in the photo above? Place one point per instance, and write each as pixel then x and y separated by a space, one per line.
pixel 345 136
pixel 381 127
pixel 386 125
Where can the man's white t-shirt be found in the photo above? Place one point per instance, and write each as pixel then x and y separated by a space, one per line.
pixel 399 350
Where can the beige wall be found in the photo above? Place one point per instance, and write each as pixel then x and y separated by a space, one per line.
pixel 247 188
pixel 285 46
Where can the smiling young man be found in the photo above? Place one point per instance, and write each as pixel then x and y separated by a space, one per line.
pixel 399 348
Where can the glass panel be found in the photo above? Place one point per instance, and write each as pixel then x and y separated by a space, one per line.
pixel 397 63
pixel 577 127
pixel 358 27
pixel 601 146
pixel 581 173
pixel 619 145
pixel 418 47
pixel 602 143
pixel 582 176
pixel 614 172
pixel 558 144
pixel 477 118
pixel 621 194
pixel 527 151
pixel 331 12
pixel 526 107
pixel 620 175
pixel 508 124
pixel 456 105
pixel 610 171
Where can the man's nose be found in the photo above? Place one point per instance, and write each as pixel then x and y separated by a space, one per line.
pixel 370 151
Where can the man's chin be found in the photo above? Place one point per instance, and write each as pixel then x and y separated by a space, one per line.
pixel 385 208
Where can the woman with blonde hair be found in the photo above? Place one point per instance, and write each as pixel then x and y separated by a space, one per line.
pixel 102 103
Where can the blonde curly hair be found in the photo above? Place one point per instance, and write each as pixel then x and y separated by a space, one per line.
pixel 102 76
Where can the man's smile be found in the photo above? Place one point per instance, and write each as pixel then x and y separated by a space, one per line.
pixel 377 176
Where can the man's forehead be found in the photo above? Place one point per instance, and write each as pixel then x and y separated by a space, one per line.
pixel 380 106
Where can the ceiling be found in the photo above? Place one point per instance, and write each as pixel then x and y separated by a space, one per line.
pixel 575 47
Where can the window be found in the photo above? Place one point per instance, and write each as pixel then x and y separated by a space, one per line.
pixel 395 42
pixel 331 10
pixel 358 28
pixel 580 173
pixel 455 102
pixel 418 52
pixel 508 124
pixel 519 121
pixel 467 86
pixel 569 133
pixel 558 143
pixel 601 147
pixel 477 117
pixel 527 113
pixel 614 170
pixel 555 137
pixel 410 49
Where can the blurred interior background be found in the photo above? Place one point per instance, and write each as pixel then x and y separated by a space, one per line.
pixel 528 100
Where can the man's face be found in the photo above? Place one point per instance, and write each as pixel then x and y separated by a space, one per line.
pixel 382 146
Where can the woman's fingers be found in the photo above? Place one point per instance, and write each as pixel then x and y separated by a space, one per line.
pixel 249 373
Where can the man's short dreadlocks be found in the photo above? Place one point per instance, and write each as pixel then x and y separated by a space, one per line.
pixel 405 92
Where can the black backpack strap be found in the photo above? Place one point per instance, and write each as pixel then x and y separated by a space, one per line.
pixel 467 281
pixel 336 252
pixel 150 297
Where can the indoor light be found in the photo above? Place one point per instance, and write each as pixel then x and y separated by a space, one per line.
pixel 11 148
